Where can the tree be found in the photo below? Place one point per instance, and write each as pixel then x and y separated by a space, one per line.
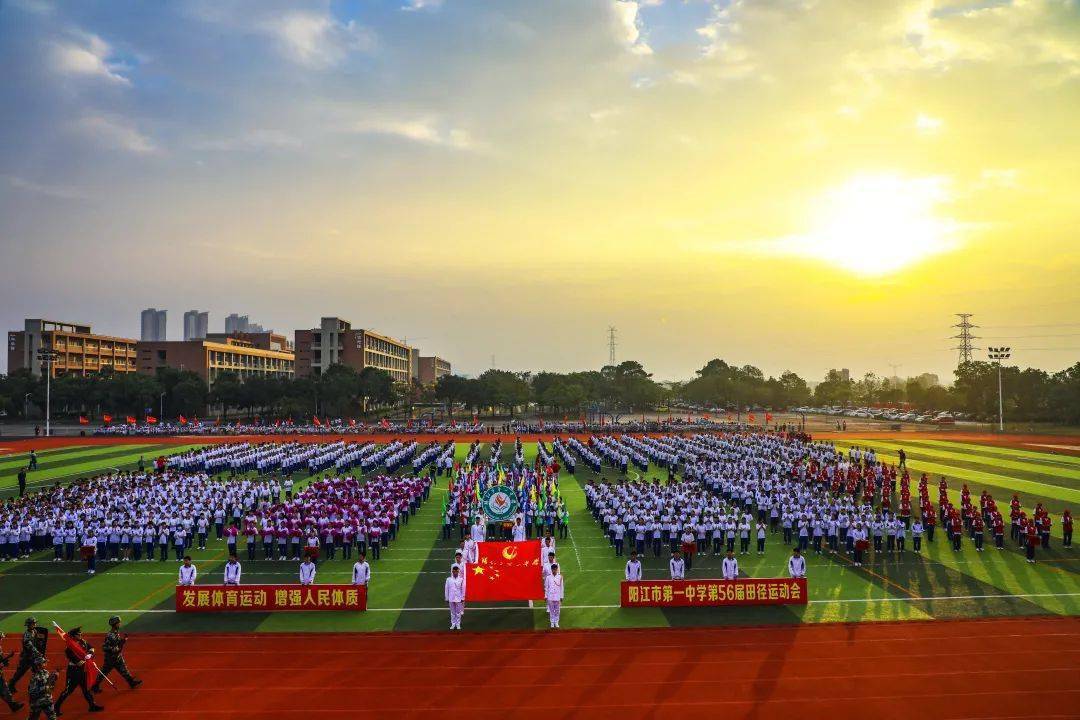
pixel 227 391
pixel 451 389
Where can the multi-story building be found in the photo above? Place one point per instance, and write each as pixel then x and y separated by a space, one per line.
pixel 336 342
pixel 267 340
pixel 195 325
pixel 80 351
pixel 431 368
pixel 153 325
pixel 210 358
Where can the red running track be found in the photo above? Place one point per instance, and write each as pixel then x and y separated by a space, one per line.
pixel 1001 668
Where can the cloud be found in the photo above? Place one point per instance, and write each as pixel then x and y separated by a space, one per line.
pixel 628 26
pixel 427 130
pixel 260 139
pixel 89 59
pixel 927 125
pixel 412 5
pixel 58 192
pixel 318 41
pixel 116 133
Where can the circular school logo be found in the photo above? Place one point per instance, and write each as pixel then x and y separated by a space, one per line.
pixel 499 503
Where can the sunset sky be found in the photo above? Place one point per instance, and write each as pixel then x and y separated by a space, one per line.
pixel 795 184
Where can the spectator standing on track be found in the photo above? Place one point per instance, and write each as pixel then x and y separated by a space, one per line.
pixel 22 481
pixel 454 592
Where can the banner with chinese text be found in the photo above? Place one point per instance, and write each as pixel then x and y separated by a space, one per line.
pixel 712 593
pixel 269 598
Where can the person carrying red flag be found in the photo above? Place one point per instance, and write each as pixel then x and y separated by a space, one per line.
pixel 81 668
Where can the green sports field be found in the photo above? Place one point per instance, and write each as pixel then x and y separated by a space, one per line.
pixel 406 589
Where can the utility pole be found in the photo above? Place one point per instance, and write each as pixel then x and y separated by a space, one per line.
pixel 611 344
pixel 997 355
pixel 967 341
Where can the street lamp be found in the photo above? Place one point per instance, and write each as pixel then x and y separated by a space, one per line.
pixel 997 355
pixel 161 407
pixel 48 356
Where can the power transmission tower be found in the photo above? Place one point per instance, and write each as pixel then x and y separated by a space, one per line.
pixel 967 340
pixel 611 344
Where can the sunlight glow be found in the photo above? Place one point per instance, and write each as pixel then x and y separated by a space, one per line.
pixel 877 224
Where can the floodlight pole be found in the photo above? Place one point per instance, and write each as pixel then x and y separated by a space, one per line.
pixel 997 355
pixel 47 355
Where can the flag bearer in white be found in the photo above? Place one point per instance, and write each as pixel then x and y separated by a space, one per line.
pixel 553 593
pixel 454 592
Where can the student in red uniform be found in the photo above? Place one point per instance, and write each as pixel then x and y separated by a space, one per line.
pixel 977 529
pixel 1032 541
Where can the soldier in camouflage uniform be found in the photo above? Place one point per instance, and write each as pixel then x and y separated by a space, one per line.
pixel 41 689
pixel 30 651
pixel 114 656
pixel 5 691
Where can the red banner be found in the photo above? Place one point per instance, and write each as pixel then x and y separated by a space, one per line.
pixel 269 598
pixel 713 593
pixel 505 571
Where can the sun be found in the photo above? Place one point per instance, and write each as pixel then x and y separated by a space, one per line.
pixel 877 224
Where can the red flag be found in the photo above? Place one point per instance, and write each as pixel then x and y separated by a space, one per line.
pixel 768 417
pixel 541 422
pixel 80 652
pixel 409 424
pixel 131 420
pixel 107 418
pixel 352 422
pixel 750 417
pixel 151 420
pixel 183 420
pixel 385 423
pixel 505 571
pixel 83 420
pixel 315 419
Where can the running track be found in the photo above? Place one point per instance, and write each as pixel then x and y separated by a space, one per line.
pixel 1000 668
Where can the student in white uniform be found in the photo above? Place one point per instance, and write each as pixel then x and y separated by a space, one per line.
pixel 307 572
pixel 677 566
pixel 232 571
pixel 188 573
pixel 553 593
pixel 730 566
pixel 518 533
pixel 633 567
pixel 361 571
pixel 472 550
pixel 796 564
pixel 454 592
pixel 547 564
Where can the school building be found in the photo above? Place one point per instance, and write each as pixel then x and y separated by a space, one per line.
pixel 79 350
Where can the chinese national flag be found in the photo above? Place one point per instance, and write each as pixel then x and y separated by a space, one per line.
pixel 131 420
pixel 385 423
pixel 768 417
pixel 316 421
pixel 352 422
pixel 151 420
pixel 751 417
pixel 505 571
pixel 81 653
pixel 83 420
pixel 183 420
pixel 107 418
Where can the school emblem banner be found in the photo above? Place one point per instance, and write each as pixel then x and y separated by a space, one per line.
pixel 499 503
pixel 505 571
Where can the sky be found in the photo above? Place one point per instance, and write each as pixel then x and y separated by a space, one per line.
pixel 793 184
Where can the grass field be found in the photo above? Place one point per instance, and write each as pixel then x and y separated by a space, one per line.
pixel 406 590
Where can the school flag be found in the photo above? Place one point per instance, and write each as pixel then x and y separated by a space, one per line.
pixel 505 571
